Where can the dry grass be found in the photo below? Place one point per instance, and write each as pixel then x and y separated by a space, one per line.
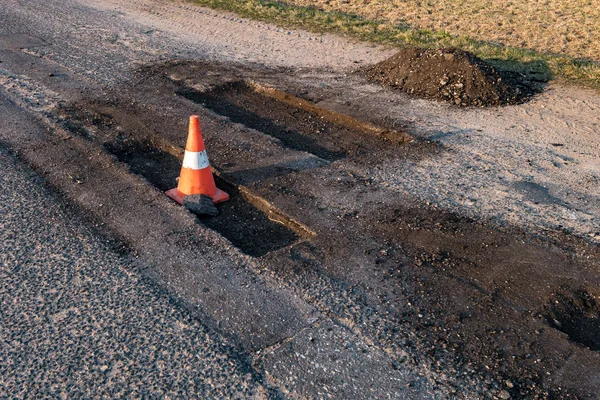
pixel 568 27
pixel 551 39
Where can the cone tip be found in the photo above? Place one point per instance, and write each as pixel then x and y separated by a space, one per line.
pixel 194 121
pixel 194 142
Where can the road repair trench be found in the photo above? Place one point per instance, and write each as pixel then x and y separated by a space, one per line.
pixel 241 220
pixel 250 222
pixel 421 282
pixel 297 123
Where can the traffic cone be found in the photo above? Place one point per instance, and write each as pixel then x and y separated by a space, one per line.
pixel 196 176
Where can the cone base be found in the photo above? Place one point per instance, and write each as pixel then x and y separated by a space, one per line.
pixel 176 195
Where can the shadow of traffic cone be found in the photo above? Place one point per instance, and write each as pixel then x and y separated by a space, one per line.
pixel 196 176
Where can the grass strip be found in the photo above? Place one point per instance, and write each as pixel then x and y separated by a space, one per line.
pixel 545 66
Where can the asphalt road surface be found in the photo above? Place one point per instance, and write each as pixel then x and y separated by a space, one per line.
pixel 77 319
pixel 461 264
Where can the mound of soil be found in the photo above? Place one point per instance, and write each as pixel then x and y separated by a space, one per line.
pixel 452 75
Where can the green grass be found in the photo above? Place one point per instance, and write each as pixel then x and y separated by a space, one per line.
pixel 546 66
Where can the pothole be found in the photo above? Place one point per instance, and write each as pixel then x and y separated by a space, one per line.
pixel 578 315
pixel 246 221
pixel 298 124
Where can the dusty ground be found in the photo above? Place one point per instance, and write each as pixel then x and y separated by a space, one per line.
pixel 549 26
pixel 467 260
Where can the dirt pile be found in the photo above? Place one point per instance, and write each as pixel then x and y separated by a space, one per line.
pixel 450 75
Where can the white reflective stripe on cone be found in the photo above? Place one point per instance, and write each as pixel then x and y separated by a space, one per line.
pixel 195 160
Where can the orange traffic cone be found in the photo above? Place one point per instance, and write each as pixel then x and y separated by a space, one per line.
pixel 196 176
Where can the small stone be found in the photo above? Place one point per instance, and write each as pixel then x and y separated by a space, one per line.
pixel 504 395
pixel 200 204
pixel 509 384
pixel 557 323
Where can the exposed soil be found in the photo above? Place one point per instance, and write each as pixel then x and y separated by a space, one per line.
pixel 471 296
pixel 450 75
pixel 297 128
pixel 247 227
pixel 428 286
pixel 239 103
pixel 578 315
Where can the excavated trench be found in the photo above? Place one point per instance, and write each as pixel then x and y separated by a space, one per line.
pixel 249 221
pixel 297 123
pixel 242 105
pixel 461 290
pixel 241 220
